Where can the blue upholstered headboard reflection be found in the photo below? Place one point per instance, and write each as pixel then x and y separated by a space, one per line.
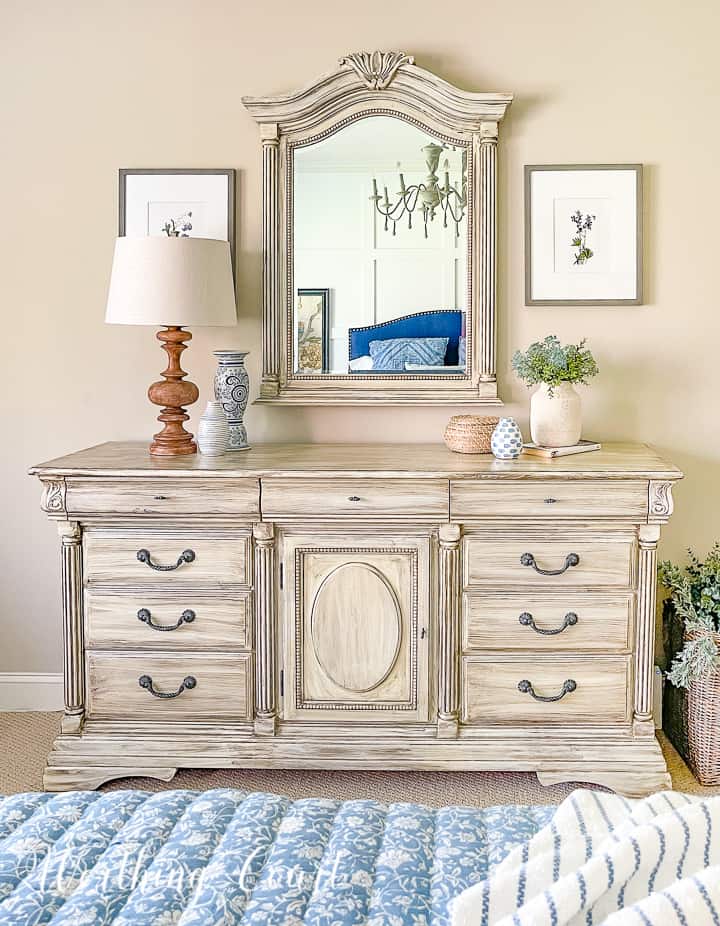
pixel 439 323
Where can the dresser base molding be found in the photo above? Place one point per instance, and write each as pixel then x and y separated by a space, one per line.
pixel 630 766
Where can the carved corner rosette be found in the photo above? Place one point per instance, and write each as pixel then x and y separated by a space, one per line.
pixel 52 500
pixel 377 68
pixel 660 501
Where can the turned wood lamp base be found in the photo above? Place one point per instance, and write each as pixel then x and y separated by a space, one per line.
pixel 173 394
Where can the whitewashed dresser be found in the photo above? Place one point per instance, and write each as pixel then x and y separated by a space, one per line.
pixel 358 607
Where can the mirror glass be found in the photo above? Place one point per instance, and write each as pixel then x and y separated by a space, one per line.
pixel 379 252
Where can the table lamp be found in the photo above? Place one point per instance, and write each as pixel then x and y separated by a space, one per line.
pixel 172 282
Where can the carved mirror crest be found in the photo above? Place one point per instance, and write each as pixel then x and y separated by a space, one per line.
pixel 379 197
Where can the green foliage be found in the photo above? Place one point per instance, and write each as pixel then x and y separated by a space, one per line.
pixel 695 594
pixel 549 362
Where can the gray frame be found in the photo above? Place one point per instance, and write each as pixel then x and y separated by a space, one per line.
pixel 229 172
pixel 638 168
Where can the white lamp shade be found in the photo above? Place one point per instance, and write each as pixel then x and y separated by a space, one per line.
pixel 171 281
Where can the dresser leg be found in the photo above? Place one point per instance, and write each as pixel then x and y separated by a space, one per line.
pixel 635 769
pixel 72 605
pixel 448 630
pixel 89 777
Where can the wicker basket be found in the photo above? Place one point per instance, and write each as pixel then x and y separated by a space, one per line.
pixel 703 724
pixel 470 433
pixel 691 718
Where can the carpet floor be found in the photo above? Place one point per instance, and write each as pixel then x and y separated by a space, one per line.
pixel 26 738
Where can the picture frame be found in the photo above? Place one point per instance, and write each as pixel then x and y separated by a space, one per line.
pixel 583 234
pixel 313 309
pixel 151 197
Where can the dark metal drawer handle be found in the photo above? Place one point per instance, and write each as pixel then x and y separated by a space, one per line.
pixel 527 620
pixel 526 688
pixel 187 556
pixel 187 617
pixel 527 559
pixel 145 681
pixel 353 498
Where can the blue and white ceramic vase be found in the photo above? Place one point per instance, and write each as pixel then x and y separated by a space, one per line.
pixel 506 442
pixel 213 433
pixel 232 386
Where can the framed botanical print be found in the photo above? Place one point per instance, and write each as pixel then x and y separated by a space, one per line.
pixel 193 202
pixel 313 330
pixel 583 234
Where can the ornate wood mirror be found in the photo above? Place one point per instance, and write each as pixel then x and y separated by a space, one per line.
pixel 379 230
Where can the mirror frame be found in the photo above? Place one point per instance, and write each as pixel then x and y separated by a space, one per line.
pixel 367 84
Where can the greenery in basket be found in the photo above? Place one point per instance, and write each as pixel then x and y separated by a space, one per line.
pixel 550 362
pixel 695 595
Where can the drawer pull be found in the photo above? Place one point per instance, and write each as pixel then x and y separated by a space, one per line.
pixel 527 620
pixel 160 498
pixel 187 617
pixel 353 498
pixel 550 501
pixel 146 682
pixel 569 685
pixel 527 559
pixel 187 556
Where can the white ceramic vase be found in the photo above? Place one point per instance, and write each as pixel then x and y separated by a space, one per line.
pixel 213 430
pixel 555 420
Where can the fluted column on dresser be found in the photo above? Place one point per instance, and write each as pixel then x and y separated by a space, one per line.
pixel 271 277
pixel 448 629
pixel 488 249
pixel 645 634
pixel 265 623
pixel 72 606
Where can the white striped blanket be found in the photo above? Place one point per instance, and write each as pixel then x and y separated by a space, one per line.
pixel 604 859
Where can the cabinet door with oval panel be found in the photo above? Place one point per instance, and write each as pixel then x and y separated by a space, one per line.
pixel 356 628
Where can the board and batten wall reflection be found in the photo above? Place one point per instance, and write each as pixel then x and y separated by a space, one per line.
pixel 88 87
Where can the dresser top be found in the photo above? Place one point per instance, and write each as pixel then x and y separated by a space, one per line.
pixel 131 458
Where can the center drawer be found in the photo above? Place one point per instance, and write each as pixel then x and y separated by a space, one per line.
pixel 418 499
pixel 195 686
pixel 147 558
pixel 179 621
pixel 577 560
pixel 545 689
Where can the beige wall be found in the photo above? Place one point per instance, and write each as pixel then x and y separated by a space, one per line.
pixel 88 87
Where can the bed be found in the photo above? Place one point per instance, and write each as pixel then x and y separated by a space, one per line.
pixel 437 323
pixel 224 857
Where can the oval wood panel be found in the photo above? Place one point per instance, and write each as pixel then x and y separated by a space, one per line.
pixel 356 627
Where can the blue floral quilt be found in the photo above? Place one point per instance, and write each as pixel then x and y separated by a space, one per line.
pixel 231 858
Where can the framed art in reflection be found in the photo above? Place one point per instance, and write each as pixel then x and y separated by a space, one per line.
pixel 583 234
pixel 313 330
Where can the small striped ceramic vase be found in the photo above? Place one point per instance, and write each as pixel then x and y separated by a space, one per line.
pixel 506 441
pixel 213 430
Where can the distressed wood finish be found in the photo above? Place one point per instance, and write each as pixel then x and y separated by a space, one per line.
pixel 112 621
pixel 163 497
pixel 384 637
pixel 601 499
pixel 356 627
pixel 607 561
pixel 603 623
pixel 73 670
pixel 292 499
pixel 387 83
pixel 448 629
pixel 111 557
pixel 222 690
pixel 490 691
pixel 265 628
